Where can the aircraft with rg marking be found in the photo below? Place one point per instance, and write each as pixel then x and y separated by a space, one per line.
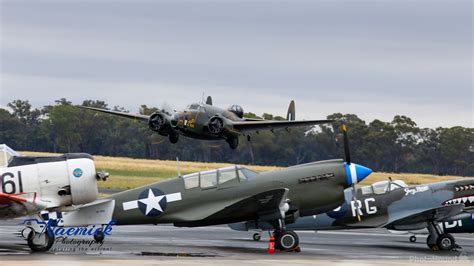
pixel 438 209
pixel 229 195
pixel 31 184
pixel 208 122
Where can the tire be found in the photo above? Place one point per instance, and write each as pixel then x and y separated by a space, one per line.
pixel 44 244
pixel 413 239
pixel 287 240
pixel 257 237
pixel 446 242
pixel 233 142
pixel 173 138
pixel 99 236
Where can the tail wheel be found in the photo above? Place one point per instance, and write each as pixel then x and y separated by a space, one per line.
pixel 99 236
pixel 40 242
pixel 446 242
pixel 287 240
pixel 257 237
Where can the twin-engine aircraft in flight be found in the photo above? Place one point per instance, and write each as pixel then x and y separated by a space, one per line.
pixel 30 184
pixel 208 122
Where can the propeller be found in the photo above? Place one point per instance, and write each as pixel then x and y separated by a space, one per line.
pixel 166 107
pixel 347 152
pixel 347 155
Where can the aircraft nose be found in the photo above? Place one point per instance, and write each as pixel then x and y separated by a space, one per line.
pixel 356 173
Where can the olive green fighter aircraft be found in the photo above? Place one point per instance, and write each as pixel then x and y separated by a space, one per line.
pixel 229 195
pixel 437 209
pixel 208 122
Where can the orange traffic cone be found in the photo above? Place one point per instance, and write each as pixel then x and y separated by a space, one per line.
pixel 271 245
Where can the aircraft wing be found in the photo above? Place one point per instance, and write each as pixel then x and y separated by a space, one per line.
pixel 253 125
pixel 122 114
pixel 434 214
pixel 257 206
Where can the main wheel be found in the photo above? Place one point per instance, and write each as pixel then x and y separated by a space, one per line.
pixel 40 242
pixel 431 246
pixel 257 236
pixel 413 239
pixel 173 138
pixel 233 142
pixel 446 242
pixel 286 240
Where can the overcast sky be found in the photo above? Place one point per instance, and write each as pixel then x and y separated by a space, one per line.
pixel 376 59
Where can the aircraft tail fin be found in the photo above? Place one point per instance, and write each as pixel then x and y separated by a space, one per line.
pixel 209 100
pixel 290 116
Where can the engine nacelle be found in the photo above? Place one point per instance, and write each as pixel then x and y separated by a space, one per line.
pixel 70 179
pixel 216 125
pixel 156 122
pixel 82 180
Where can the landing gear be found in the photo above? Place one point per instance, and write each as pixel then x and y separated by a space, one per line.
pixel 446 242
pixel 286 240
pixel 413 239
pixel 429 243
pixel 173 138
pixel 257 237
pixel 99 236
pixel 40 242
pixel 233 142
pixel 438 240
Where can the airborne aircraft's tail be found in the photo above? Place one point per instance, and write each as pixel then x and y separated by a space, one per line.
pixel 209 100
pixel 290 116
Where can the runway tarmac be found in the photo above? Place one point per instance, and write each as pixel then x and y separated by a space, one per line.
pixel 165 244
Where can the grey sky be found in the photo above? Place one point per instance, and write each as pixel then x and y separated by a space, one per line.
pixel 372 58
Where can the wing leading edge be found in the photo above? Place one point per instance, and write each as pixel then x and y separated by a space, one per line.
pixel 271 124
pixel 122 114
pixel 437 214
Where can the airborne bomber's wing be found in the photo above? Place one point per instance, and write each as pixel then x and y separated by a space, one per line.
pixel 434 214
pixel 122 114
pixel 271 124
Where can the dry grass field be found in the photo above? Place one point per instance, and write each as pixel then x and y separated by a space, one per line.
pixel 126 173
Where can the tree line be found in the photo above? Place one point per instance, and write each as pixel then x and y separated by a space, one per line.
pixel 395 146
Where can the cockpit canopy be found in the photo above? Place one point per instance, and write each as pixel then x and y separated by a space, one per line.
pixel 237 110
pixel 195 107
pixel 211 178
pixel 6 155
pixel 382 187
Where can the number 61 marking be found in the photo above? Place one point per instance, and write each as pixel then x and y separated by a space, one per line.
pixel 9 185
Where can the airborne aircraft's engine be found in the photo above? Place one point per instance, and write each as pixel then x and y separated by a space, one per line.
pixel 216 125
pixel 156 122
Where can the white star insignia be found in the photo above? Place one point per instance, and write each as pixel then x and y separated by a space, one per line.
pixel 152 202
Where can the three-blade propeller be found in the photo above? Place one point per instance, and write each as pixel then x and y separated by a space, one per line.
pixel 347 155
